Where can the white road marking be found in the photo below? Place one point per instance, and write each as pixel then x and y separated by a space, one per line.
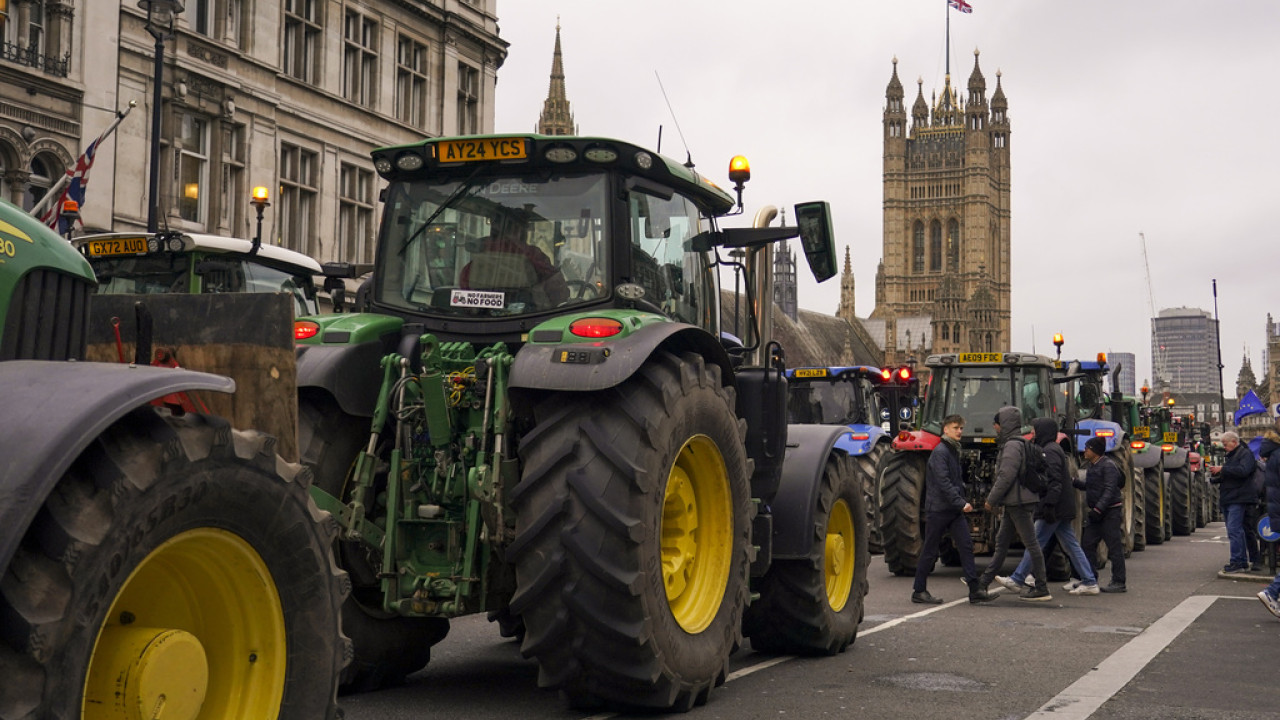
pixel 1087 694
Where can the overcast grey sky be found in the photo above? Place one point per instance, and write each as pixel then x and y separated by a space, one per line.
pixel 1127 117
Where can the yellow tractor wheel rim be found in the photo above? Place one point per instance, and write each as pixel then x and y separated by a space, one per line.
pixel 838 557
pixel 196 631
pixel 697 534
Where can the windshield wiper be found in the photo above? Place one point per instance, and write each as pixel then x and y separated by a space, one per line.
pixel 463 189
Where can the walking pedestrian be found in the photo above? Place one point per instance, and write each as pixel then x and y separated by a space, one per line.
pixel 1018 502
pixel 1054 515
pixel 1102 496
pixel 1236 493
pixel 944 508
pixel 1270 595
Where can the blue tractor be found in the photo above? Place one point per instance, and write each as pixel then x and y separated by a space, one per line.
pixel 856 396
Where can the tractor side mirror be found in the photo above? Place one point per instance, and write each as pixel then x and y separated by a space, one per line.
pixel 814 220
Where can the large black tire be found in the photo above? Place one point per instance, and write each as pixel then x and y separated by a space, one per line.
pixel 1180 494
pixel 1154 500
pixel 813 606
pixel 174 555
pixel 902 509
pixel 868 470
pixel 1203 504
pixel 387 647
pixel 1138 487
pixel 633 533
pixel 1168 507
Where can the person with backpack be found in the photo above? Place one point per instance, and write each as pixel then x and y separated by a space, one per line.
pixel 944 511
pixel 1019 502
pixel 1102 495
pixel 1054 515
pixel 1236 493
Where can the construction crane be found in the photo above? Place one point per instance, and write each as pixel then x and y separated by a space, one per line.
pixel 1158 350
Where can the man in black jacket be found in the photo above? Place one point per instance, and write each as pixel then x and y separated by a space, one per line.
pixel 1237 496
pixel 1270 453
pixel 944 509
pixel 1105 514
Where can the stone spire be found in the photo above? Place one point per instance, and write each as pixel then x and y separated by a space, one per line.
pixel 846 308
pixel 556 119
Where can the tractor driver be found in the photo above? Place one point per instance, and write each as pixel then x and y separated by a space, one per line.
pixel 507 240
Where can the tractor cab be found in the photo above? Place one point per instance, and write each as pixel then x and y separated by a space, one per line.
pixel 976 385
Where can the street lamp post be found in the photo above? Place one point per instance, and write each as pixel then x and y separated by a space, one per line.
pixel 161 15
pixel 259 203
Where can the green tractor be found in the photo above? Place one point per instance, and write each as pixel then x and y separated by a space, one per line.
pixel 152 558
pixel 533 414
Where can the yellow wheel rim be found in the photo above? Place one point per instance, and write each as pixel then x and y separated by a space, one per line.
pixel 697 534
pixel 196 631
pixel 838 557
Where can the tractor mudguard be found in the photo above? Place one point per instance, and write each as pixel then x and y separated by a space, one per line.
pixel 352 374
pixel 808 447
pixel 1093 427
pixel 861 439
pixel 54 410
pixel 1148 457
pixel 587 366
pixel 1175 458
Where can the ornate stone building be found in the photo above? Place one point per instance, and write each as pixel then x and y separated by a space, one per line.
pixel 556 118
pixel 287 94
pixel 943 284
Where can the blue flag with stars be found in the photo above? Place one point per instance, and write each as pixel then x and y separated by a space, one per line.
pixel 1250 404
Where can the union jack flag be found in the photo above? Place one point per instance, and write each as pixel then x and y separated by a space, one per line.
pixel 77 180
pixel 960 5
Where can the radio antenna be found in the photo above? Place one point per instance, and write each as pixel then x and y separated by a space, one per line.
pixel 674 119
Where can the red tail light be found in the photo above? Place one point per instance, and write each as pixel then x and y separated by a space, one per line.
pixel 1105 433
pixel 1138 445
pixel 1167 447
pixel 305 330
pixel 595 327
pixel 859 436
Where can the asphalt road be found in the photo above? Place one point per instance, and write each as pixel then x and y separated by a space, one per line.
pixel 1183 643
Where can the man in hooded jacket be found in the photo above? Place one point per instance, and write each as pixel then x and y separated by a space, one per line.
pixel 1019 503
pixel 1054 515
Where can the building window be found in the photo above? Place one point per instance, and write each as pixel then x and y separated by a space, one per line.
pixel 355 214
pixel 44 169
pixel 359 59
pixel 468 100
pixel 29 40
pixel 193 169
pixel 299 169
pixel 411 82
pixel 953 245
pixel 917 248
pixel 200 16
pixel 935 246
pixel 302 30
pixel 234 197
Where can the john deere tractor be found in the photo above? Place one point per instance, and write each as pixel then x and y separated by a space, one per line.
pixel 534 415
pixel 157 563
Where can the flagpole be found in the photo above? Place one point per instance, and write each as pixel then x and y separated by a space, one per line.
pixel 56 189
pixel 948 4
pixel 1222 402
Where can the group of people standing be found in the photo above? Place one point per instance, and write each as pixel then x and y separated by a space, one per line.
pixel 1238 494
pixel 1035 518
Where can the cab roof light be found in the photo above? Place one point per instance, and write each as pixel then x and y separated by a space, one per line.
pixel 409 161
pixel 305 330
pixel 1102 358
pixel 600 154
pixel 739 170
pixel 595 327
pixel 560 154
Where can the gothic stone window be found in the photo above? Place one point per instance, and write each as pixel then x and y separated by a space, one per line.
pixel 917 248
pixel 953 245
pixel 935 246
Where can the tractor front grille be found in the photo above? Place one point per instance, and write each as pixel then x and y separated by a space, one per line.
pixel 48 317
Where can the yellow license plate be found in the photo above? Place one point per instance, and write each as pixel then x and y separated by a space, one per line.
pixel 118 246
pixel 1170 437
pixel 451 151
pixel 981 357
pixel 1142 431
pixel 811 373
